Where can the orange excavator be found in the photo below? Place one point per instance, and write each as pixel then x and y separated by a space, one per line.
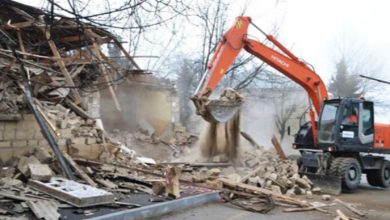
pixel 334 151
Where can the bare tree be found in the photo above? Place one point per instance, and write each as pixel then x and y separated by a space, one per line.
pixel 287 102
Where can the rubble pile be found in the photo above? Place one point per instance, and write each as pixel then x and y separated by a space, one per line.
pixel 37 178
pixel 267 170
pixel 169 145
pixel 64 68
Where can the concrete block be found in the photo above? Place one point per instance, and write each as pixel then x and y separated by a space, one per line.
pixel 78 141
pixel 43 143
pixel 10 125
pixel 62 142
pixel 29 117
pixel 65 133
pixel 6 154
pixel 41 172
pixel 23 134
pixel 1 134
pixel 1 126
pixel 21 151
pixel 24 162
pixel 91 140
pixel 19 143
pixel 5 144
pixel 43 155
pixel 32 143
pixel 38 134
pixel 9 134
pixel 91 151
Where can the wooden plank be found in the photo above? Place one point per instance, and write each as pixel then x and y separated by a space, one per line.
pixel 106 76
pixel 24 53
pixel 278 148
pixel 62 66
pixel 44 209
pixel 79 171
pixel 257 190
pixel 46 118
pixel 21 44
pixel 118 44
pixel 250 139
pixel 18 25
pixel 79 111
pixel 341 215
pixel 350 207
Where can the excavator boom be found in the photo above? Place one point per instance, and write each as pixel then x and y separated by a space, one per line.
pixel 236 39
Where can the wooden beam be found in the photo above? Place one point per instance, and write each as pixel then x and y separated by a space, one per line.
pixel 21 44
pixel 79 171
pixel 79 111
pixel 70 38
pixel 19 25
pixel 62 66
pixel 24 53
pixel 258 190
pixel 106 76
pixel 278 148
pixel 118 44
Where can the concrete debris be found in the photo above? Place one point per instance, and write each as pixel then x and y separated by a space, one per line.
pixel 41 172
pixel 74 193
pixel 44 209
pixel 24 162
pixel 326 197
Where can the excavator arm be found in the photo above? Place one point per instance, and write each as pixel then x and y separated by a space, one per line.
pixel 236 39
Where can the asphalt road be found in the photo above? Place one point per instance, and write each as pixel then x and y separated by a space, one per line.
pixel 373 201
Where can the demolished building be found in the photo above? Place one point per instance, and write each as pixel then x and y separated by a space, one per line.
pixel 66 67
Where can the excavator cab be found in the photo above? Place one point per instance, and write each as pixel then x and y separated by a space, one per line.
pixel 346 125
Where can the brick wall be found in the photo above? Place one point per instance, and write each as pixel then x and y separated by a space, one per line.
pixel 18 138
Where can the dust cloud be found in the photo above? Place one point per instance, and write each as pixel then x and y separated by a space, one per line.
pixel 221 138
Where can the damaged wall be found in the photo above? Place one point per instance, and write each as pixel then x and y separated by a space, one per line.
pixel 64 67
pixel 147 102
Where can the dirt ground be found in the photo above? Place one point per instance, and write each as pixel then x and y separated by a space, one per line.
pixel 373 201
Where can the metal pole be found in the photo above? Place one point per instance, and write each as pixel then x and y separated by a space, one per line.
pixel 201 82
pixel 44 128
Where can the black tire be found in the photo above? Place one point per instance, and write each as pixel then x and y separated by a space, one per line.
pixel 380 177
pixel 372 177
pixel 335 166
pixel 350 172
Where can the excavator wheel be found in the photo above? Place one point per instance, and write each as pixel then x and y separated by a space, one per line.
pixel 334 166
pixel 350 172
pixel 381 177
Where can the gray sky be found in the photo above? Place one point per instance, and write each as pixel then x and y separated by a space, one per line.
pixel 315 30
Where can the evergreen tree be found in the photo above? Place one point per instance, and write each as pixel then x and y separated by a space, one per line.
pixel 344 83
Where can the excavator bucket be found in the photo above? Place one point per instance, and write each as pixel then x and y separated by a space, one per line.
pixel 328 184
pixel 219 110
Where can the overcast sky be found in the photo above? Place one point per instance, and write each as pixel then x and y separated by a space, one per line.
pixel 317 30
